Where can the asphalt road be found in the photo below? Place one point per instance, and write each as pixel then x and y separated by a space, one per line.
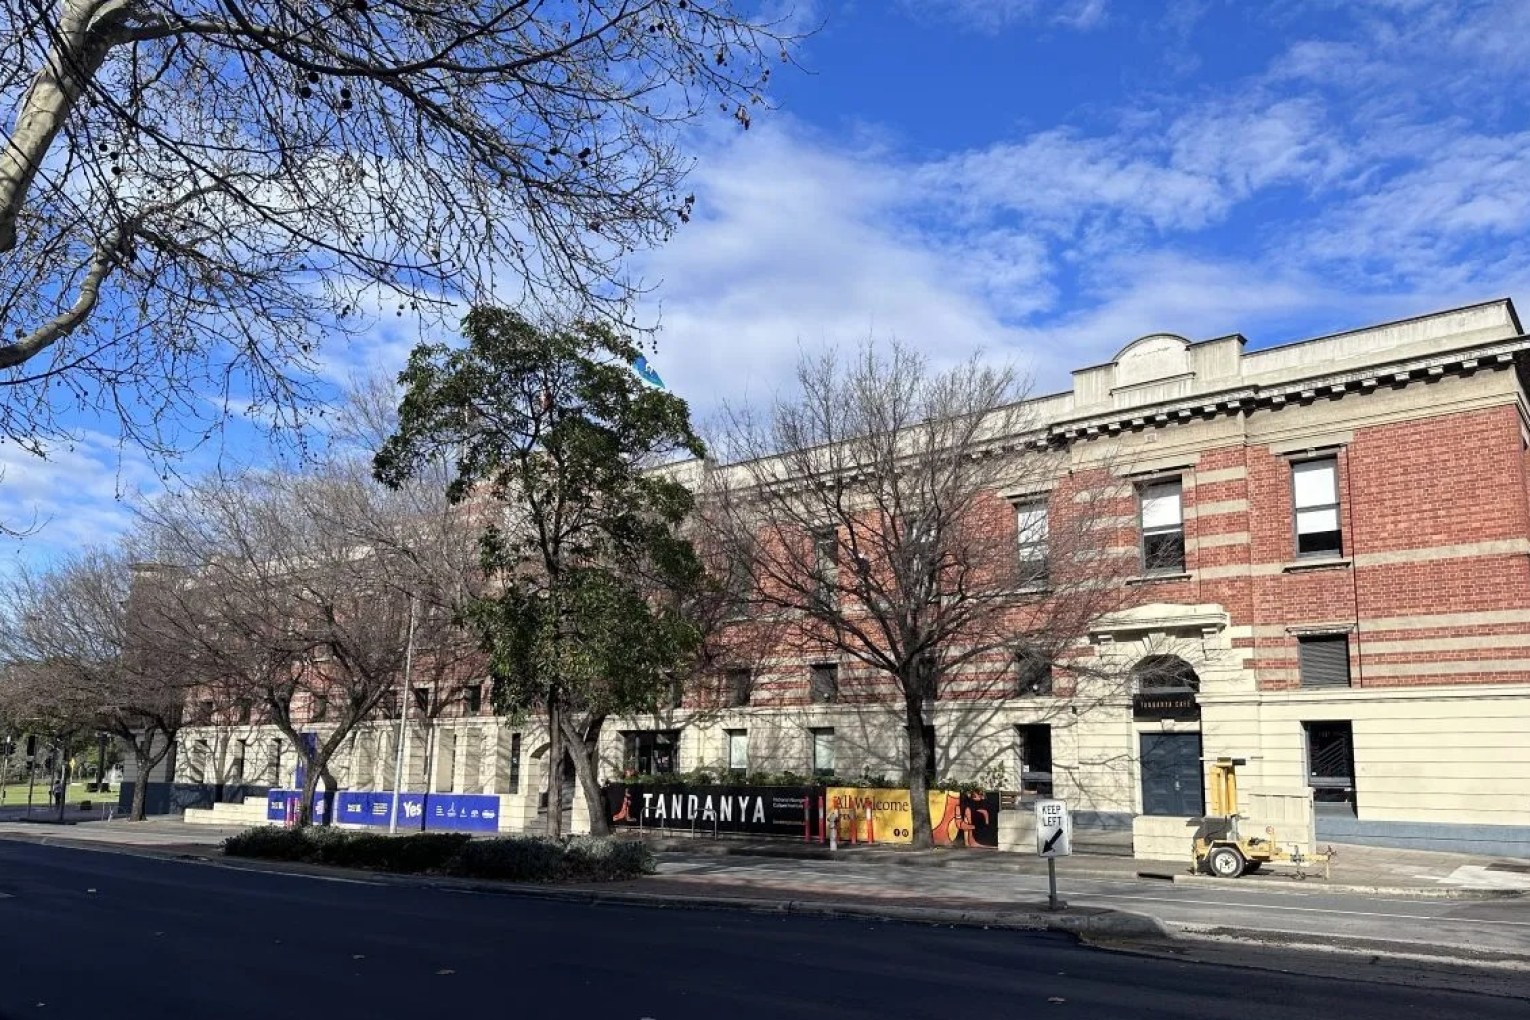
pixel 90 934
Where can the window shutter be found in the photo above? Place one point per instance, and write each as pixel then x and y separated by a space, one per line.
pixel 1324 661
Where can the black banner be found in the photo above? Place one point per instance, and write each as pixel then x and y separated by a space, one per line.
pixel 1166 705
pixel 751 810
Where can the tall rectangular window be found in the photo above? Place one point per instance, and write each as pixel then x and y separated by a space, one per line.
pixel 320 707
pixel 1163 527
pixel 472 698
pixel 515 763
pixel 740 684
pixel 1031 522
pixel 422 700
pixel 1323 660
pixel 824 685
pixel 823 751
pixel 1315 492
pixel 738 750
pixel 825 563
pixel 1331 765
pixel 1035 759
pixel 1033 671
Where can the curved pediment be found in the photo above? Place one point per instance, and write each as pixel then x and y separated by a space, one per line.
pixel 1155 356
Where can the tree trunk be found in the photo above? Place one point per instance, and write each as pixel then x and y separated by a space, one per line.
pixel 305 796
pixel 586 753
pixel 918 784
pixel 143 761
pixel 331 785
pixel 554 768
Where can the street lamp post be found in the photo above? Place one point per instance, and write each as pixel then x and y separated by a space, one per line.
pixel 403 719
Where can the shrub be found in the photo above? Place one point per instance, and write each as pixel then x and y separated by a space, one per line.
pixel 512 859
pixel 270 843
pixel 603 859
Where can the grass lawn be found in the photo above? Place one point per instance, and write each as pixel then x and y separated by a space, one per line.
pixel 16 793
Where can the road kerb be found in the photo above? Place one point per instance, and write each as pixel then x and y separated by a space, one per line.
pixel 1359 889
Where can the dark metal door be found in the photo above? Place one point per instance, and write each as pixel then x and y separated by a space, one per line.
pixel 1171 774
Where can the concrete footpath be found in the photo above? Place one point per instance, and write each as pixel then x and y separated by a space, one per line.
pixel 1396 903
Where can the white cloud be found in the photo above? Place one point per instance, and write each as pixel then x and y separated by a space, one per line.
pixel 995 15
pixel 76 496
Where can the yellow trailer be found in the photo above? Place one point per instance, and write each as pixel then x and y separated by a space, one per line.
pixel 1220 847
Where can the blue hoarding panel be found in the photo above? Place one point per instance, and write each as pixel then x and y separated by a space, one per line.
pixel 441 812
pixel 277 800
pixel 462 812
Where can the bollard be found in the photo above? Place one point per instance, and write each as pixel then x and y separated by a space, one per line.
pixel 833 830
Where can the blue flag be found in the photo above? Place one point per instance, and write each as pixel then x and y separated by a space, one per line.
pixel 646 373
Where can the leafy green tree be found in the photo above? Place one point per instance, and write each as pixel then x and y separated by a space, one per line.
pixel 559 447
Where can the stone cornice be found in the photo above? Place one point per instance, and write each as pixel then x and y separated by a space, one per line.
pixel 1495 355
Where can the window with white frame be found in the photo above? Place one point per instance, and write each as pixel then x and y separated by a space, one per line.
pixel 1163 527
pixel 1315 492
pixel 738 750
pixel 1031 527
pixel 823 751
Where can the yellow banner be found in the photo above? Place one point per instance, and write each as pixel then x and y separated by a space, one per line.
pixel 891 819
pixel 955 821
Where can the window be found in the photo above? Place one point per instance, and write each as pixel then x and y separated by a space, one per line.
pixel 1315 495
pixel 320 707
pixel 1031 521
pixel 422 700
pixel 825 563
pixel 515 763
pixel 738 751
pixel 1033 671
pixel 1331 766
pixel 205 711
pixel 1323 660
pixel 740 681
pixel 824 685
pixel 242 710
pixel 236 770
pixel 823 752
pixel 1163 528
pixel 274 763
pixel 1035 759
pixel 472 698
pixel 651 752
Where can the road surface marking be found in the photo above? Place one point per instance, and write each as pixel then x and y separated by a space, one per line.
pixel 1318 910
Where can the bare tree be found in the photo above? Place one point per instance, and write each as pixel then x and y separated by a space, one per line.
pixel 193 194
pixel 877 510
pixel 70 632
pixel 307 594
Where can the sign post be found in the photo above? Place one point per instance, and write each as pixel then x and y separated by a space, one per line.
pixel 1054 839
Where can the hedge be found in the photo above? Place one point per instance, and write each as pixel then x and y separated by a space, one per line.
pixel 511 858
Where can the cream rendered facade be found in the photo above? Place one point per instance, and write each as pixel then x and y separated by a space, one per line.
pixel 1431 594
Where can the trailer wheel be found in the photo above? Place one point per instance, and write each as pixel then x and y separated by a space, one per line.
pixel 1225 862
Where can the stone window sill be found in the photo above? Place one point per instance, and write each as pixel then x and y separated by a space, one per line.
pixel 1324 563
pixel 1157 578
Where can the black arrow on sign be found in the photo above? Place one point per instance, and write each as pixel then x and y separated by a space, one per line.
pixel 1051 841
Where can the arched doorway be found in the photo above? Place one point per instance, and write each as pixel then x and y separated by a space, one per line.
pixel 1164 689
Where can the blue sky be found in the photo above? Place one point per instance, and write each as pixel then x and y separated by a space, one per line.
pixel 1044 181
